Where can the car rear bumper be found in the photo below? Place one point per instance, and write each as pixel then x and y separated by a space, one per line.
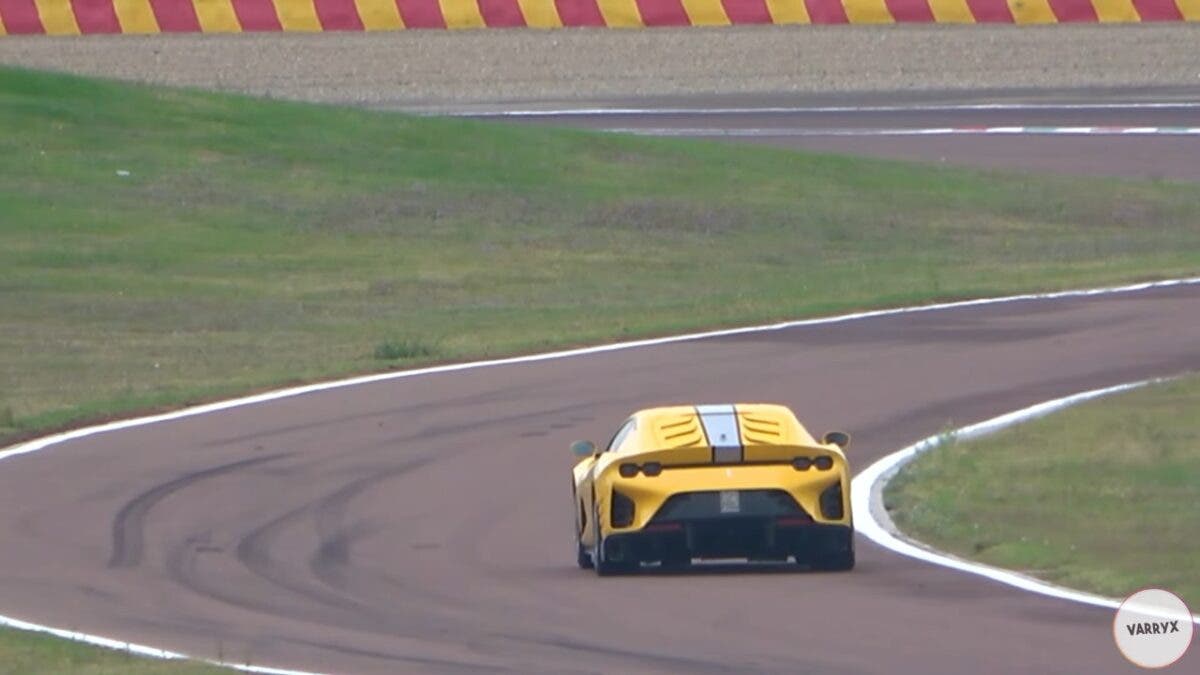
pixel 729 537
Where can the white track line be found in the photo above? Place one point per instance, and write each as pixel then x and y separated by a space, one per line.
pixel 791 110
pixel 871 518
pixel 155 652
pixel 139 650
pixel 789 132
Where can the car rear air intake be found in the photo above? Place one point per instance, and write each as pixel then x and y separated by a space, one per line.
pixel 831 502
pixel 622 510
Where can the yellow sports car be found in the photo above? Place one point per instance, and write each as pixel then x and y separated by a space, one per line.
pixel 713 481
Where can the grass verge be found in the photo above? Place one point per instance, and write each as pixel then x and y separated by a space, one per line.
pixel 163 246
pixel 1100 496
pixel 22 653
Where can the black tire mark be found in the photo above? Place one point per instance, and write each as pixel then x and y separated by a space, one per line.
pixel 128 525
pixel 254 549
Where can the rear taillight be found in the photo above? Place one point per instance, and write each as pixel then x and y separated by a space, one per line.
pixel 831 502
pixel 823 463
pixel 629 469
pixel 622 510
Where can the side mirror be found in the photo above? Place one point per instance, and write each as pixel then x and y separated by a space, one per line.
pixel 583 448
pixel 838 438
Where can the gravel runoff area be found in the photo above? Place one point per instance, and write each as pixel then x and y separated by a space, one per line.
pixel 434 68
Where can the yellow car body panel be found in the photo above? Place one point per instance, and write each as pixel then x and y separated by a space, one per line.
pixel 649 494
pixel 697 454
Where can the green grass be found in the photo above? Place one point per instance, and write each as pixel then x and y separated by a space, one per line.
pixel 22 653
pixel 255 243
pixel 404 348
pixel 1100 496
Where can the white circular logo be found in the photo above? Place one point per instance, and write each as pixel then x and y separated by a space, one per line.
pixel 1153 628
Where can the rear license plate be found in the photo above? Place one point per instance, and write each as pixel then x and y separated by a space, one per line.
pixel 730 501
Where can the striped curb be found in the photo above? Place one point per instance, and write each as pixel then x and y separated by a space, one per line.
pixel 73 17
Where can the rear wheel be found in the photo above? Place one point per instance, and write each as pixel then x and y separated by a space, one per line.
pixel 603 566
pixel 582 556
pixel 606 568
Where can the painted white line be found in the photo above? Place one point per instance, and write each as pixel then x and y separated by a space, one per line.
pixel 788 110
pixel 139 650
pixel 790 132
pixel 154 652
pixel 871 518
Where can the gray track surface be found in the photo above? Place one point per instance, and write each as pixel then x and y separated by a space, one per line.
pixel 820 122
pixel 422 525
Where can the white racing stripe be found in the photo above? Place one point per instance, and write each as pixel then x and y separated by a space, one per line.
pixel 792 110
pixel 894 543
pixel 720 424
pixel 871 518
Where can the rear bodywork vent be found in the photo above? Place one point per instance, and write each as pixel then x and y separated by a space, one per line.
pixel 762 430
pixel 678 431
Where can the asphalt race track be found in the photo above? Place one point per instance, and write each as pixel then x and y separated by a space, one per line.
pixel 422 523
pixel 1150 133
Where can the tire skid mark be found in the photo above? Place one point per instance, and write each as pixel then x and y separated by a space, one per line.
pixel 411 411
pixel 181 569
pixel 637 657
pixel 457 666
pixel 128 525
pixel 480 424
pixel 253 552
pixel 254 549
pixel 330 560
pixel 333 552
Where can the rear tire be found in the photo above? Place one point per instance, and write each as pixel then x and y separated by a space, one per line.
pixel 603 566
pixel 582 556
pixel 608 568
